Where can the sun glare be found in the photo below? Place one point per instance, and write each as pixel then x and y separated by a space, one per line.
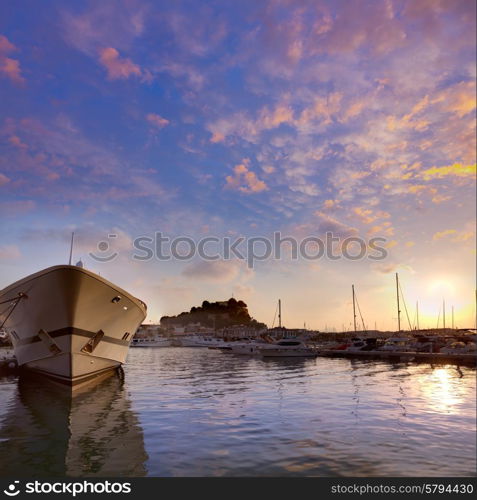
pixel 441 288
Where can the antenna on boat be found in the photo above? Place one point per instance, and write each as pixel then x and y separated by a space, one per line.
pixel 279 313
pixel 398 309
pixel 71 247
pixel 452 317
pixel 354 308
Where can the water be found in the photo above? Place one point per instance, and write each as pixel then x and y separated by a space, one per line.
pixel 199 412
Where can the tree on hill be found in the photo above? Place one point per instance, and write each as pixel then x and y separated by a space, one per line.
pixel 215 315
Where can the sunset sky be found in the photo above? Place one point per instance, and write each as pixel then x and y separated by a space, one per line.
pixel 242 118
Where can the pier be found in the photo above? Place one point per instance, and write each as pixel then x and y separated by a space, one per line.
pixel 405 356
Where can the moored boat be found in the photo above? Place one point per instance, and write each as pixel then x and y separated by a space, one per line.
pixel 287 347
pixel 151 342
pixel 247 348
pixel 69 323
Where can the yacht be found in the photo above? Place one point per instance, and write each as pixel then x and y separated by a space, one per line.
pixel 151 342
pixel 200 341
pixel 69 323
pixel 400 344
pixel 192 341
pixel 247 348
pixel 459 348
pixel 287 347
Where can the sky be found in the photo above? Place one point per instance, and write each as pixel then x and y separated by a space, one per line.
pixel 232 120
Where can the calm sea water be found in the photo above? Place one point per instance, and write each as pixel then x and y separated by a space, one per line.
pixel 199 412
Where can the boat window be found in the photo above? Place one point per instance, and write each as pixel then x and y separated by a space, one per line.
pixel 125 336
pixel 116 299
pixel 289 343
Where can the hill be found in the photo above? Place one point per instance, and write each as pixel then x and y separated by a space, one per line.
pixel 215 315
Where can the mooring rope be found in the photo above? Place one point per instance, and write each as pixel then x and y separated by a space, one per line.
pixel 13 302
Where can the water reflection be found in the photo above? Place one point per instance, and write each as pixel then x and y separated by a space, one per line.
pixel 49 432
pixel 205 413
pixel 442 389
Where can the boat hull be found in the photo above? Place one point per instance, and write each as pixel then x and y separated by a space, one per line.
pixel 70 324
pixel 287 353
pixel 151 343
pixel 245 350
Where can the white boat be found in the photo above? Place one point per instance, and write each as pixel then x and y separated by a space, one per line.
pixel 397 344
pixel 151 342
pixel 200 341
pixel 459 348
pixel 287 347
pixel 69 323
pixel 248 348
pixel 192 341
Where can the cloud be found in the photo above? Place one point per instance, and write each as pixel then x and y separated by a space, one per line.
pixel 19 207
pixel 391 267
pixel 194 78
pixel 455 170
pixel 245 180
pixel 9 67
pixel 106 24
pixel 117 67
pixel 331 204
pixel 332 225
pixel 456 235
pixel 442 234
pixel 9 252
pixel 367 216
pixel 384 228
pixel 3 179
pixel 218 271
pixel 84 171
pixel 157 120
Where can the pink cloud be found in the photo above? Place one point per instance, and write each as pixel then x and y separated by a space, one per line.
pixel 9 67
pixel 9 252
pixel 157 120
pixel 105 24
pixel 16 207
pixel 245 180
pixel 3 179
pixel 117 67
pixel 14 140
pixel 217 271
pixel 366 215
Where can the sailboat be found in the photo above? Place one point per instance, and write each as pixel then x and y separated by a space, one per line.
pixel 70 324
pixel 286 347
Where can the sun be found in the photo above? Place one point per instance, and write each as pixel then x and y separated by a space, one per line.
pixel 441 287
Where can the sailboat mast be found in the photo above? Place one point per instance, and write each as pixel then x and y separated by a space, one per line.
pixel 279 313
pixel 452 317
pixel 444 313
pixel 417 315
pixel 398 308
pixel 354 308
pixel 71 247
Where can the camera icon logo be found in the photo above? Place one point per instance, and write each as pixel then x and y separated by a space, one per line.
pixel 104 254
pixel 12 490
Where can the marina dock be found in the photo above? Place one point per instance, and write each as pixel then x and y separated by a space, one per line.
pixel 405 356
